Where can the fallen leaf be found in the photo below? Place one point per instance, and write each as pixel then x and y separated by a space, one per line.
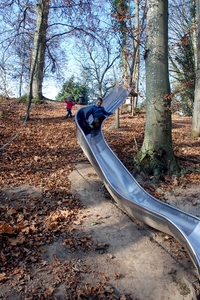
pixel 5 228
pixel 106 278
pixel 3 277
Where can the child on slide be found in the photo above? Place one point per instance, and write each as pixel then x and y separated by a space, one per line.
pixel 99 114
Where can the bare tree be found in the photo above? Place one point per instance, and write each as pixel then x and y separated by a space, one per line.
pixel 128 23
pixel 182 49
pixel 196 110
pixel 97 59
pixel 66 17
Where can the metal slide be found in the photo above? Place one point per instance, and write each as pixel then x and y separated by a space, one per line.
pixel 127 192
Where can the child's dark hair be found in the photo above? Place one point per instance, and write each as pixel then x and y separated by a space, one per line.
pixel 100 99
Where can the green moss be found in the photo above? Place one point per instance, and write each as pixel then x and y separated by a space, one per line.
pixel 23 99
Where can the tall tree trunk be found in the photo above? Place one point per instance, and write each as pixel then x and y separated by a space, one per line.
pixel 156 155
pixel 37 59
pixel 135 84
pixel 39 48
pixel 117 118
pixel 122 11
pixel 194 32
pixel 196 109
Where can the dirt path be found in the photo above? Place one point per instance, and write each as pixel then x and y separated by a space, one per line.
pixel 139 261
pixel 133 259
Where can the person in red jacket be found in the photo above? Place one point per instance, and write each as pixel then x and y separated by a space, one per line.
pixel 69 104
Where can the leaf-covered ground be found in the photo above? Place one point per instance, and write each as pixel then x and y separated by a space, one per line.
pixel 36 204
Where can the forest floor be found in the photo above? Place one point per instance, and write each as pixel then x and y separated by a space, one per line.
pixel 61 234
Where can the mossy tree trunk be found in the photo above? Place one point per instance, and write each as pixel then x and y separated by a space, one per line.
pixel 156 154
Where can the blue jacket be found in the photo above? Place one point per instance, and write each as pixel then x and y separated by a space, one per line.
pixel 96 112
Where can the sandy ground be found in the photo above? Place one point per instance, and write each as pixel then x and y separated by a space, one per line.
pixel 139 261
